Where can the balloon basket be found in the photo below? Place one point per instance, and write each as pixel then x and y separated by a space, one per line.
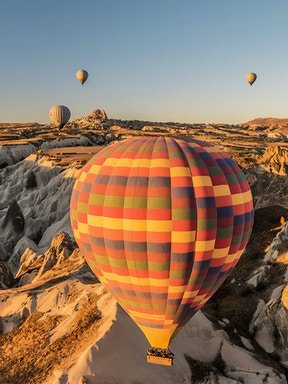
pixel 160 356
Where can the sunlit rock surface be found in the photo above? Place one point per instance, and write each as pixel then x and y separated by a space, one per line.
pixel 275 160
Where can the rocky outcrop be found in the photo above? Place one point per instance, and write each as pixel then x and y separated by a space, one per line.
pixel 267 122
pixel 14 217
pixel 270 329
pixel 6 277
pixel 268 189
pixel 259 277
pixel 269 326
pixel 275 160
pixel 3 253
pixel 97 119
pixel 98 114
pixel 29 261
pixel 279 247
pixel 61 248
pixel 31 181
pixel 46 328
pixel 24 245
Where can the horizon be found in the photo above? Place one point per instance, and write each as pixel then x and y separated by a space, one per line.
pixel 152 121
pixel 153 61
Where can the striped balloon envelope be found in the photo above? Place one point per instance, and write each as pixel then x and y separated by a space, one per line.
pixel 161 222
pixel 59 115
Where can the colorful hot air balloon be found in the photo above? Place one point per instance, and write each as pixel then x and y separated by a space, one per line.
pixel 82 75
pixel 251 77
pixel 161 222
pixel 59 115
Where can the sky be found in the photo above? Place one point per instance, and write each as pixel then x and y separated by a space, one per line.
pixel 157 60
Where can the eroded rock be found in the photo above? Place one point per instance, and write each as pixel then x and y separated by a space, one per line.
pixel 275 160
pixel 98 114
pixel 31 181
pixel 6 277
pixel 14 216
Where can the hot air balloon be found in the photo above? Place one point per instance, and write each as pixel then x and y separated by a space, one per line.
pixel 59 115
pixel 82 75
pixel 161 222
pixel 251 77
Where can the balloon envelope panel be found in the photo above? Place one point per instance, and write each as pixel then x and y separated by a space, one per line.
pixel 161 222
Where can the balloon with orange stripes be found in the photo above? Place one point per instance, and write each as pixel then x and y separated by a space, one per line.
pixel 161 222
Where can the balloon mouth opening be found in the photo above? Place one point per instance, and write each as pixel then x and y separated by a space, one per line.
pixel 160 356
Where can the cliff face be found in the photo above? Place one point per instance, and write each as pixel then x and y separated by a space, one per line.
pixel 59 325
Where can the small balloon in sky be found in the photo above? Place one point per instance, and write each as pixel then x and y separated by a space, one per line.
pixel 251 77
pixel 59 115
pixel 82 76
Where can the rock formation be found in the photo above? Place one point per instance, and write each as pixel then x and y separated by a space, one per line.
pixel 31 181
pixel 98 114
pixel 275 160
pixel 6 277
pixel 14 217
pixel 61 248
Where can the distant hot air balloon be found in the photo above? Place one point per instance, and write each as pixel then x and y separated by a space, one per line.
pixel 251 77
pixel 161 222
pixel 82 76
pixel 59 115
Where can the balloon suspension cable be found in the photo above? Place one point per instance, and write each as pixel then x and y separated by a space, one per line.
pixel 160 356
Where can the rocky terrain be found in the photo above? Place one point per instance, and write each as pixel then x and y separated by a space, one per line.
pixel 58 325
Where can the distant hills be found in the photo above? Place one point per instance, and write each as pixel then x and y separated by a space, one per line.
pixel 268 122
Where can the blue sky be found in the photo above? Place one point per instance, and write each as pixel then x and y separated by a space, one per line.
pixel 158 60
